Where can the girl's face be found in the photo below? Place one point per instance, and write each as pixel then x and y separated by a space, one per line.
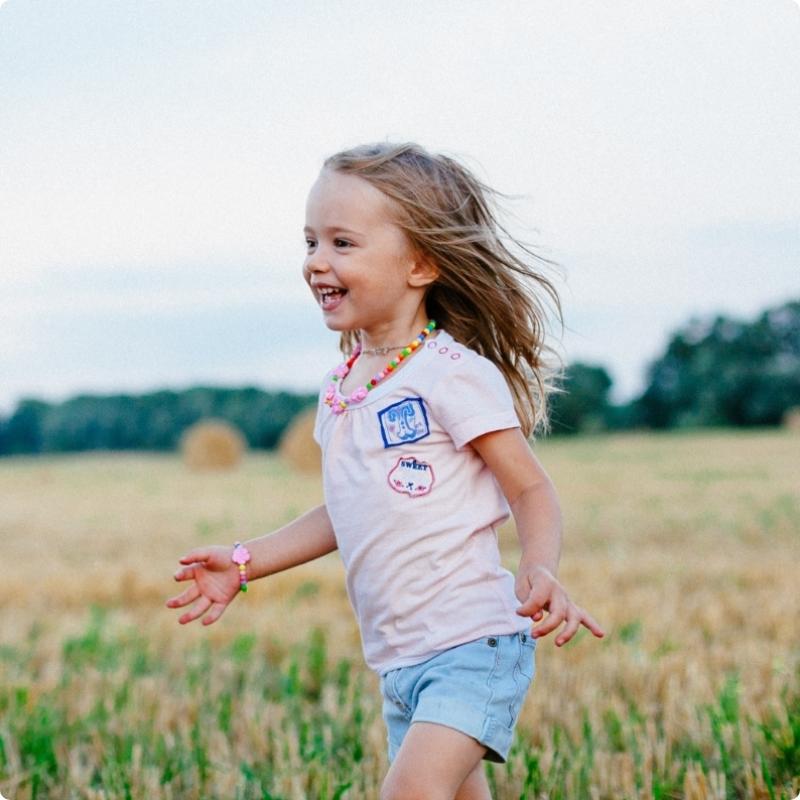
pixel 360 265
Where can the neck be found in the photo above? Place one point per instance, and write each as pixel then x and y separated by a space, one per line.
pixel 393 334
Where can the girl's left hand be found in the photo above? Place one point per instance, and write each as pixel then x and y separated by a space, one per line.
pixel 538 590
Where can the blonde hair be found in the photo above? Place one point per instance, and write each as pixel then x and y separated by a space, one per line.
pixel 486 296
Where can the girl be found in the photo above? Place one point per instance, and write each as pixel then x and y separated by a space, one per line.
pixel 424 433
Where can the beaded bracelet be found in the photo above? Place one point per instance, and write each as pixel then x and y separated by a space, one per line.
pixel 240 556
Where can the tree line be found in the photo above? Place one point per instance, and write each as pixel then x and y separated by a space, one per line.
pixel 716 371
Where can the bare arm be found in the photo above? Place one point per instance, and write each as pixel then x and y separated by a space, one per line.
pixel 529 492
pixel 304 539
pixel 215 578
pixel 537 513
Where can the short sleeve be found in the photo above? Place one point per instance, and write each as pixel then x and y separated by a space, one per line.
pixel 318 419
pixel 471 399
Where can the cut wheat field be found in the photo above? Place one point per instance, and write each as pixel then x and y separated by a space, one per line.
pixel 684 546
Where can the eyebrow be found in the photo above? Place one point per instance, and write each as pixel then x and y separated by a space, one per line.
pixel 332 228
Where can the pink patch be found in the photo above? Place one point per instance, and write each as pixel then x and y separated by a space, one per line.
pixel 411 477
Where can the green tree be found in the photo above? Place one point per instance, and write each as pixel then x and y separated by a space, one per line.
pixel 583 404
pixel 724 371
pixel 152 421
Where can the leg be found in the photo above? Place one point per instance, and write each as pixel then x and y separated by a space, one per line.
pixel 475 787
pixel 433 763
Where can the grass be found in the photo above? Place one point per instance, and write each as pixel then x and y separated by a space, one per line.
pixel 684 547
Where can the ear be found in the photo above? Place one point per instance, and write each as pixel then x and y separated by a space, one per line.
pixel 423 272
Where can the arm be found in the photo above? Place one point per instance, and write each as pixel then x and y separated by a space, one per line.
pixel 304 539
pixel 537 514
pixel 216 578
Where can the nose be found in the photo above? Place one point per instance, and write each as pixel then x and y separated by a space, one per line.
pixel 316 262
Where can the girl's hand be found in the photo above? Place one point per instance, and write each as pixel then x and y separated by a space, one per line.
pixel 539 591
pixel 216 583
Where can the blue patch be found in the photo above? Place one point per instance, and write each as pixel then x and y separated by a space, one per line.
pixel 404 422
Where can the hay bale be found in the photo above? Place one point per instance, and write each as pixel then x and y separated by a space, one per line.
pixel 297 446
pixel 212 444
pixel 791 419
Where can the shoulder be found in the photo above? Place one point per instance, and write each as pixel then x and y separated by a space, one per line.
pixel 321 416
pixel 455 362
pixel 469 395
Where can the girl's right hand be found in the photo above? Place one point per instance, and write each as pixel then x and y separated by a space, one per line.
pixel 216 583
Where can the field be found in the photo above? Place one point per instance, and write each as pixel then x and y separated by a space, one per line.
pixel 685 547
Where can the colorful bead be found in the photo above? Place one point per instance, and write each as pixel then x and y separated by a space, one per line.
pixel 339 404
pixel 241 556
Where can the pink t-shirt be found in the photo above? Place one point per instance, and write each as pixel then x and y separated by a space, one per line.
pixel 415 508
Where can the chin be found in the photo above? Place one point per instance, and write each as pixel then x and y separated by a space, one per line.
pixel 334 324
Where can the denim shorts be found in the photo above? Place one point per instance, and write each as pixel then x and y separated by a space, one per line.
pixel 476 687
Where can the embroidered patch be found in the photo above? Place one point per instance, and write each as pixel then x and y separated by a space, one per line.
pixel 404 422
pixel 411 477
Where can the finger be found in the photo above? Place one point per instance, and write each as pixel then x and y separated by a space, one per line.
pixel 558 611
pixel 184 573
pixel 199 608
pixel 216 612
pixel 574 619
pixel 200 555
pixel 535 604
pixel 183 599
pixel 592 624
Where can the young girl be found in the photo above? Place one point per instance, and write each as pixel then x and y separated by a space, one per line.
pixel 424 432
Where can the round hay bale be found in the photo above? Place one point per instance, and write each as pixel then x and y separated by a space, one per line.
pixel 212 444
pixel 791 419
pixel 297 446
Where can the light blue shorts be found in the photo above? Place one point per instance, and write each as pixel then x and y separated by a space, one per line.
pixel 477 688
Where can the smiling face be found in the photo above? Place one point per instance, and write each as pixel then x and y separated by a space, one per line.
pixel 360 265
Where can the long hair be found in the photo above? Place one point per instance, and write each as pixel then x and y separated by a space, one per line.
pixel 486 296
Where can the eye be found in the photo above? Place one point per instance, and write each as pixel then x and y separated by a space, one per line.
pixel 341 243
pixel 310 243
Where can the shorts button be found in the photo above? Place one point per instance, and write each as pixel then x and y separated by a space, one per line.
pixel 491 641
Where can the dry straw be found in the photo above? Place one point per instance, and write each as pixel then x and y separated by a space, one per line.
pixel 791 419
pixel 212 444
pixel 298 448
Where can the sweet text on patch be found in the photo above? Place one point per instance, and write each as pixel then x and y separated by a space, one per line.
pixel 412 477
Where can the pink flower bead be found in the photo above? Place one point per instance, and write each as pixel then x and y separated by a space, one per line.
pixel 358 395
pixel 341 371
pixel 337 409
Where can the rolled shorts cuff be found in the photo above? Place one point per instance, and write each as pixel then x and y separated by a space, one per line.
pixel 454 714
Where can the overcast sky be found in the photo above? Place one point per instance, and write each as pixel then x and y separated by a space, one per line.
pixel 155 158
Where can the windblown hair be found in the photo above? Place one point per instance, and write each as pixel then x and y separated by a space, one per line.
pixel 486 296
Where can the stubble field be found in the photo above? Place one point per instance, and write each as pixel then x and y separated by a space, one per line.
pixel 685 547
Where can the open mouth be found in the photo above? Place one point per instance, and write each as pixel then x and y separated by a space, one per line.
pixel 330 297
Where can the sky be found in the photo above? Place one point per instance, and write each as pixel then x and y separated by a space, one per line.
pixel 155 158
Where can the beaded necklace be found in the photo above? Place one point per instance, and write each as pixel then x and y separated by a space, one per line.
pixel 338 403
